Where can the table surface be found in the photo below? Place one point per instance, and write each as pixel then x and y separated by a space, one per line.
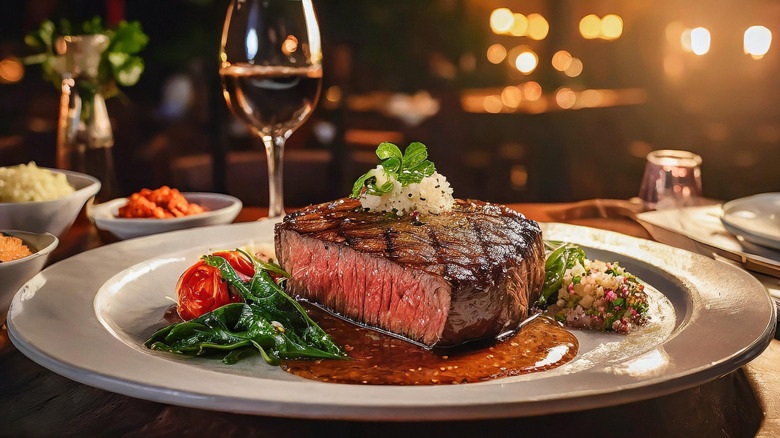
pixel 37 402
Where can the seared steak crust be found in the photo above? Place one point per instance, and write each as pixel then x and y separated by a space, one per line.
pixel 467 274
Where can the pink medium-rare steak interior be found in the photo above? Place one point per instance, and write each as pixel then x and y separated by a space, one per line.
pixel 467 274
pixel 369 290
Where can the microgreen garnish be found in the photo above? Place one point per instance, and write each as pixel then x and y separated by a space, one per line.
pixel 407 168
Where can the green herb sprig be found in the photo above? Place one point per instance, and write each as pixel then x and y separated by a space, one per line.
pixel 119 63
pixel 561 256
pixel 407 168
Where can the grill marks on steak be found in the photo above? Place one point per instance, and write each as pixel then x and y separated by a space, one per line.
pixel 463 275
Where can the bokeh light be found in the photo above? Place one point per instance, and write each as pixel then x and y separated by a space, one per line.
pixel 757 41
pixel 501 20
pixel 700 40
pixel 565 98
pixel 591 98
pixel 511 96
pixel 526 61
pixel 290 45
pixel 519 25
pixel 333 94
pixel 561 60
pixel 538 27
pixel 590 26
pixel 685 41
pixel 496 53
pixel 611 27
pixel 574 69
pixel 11 70
pixel 493 104
pixel 532 91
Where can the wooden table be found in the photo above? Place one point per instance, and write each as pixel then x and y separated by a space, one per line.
pixel 37 402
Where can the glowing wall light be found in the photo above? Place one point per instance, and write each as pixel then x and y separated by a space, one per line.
pixel 757 41
pixel 501 20
pixel 700 40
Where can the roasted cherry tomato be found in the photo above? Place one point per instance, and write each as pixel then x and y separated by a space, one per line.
pixel 202 289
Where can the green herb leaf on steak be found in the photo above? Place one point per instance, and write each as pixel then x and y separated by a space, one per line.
pixel 409 167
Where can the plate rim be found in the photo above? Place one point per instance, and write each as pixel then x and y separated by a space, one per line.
pixel 754 236
pixel 651 387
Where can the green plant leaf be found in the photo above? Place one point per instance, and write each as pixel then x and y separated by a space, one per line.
pixel 357 188
pixel 415 154
pixel 129 72
pixel 386 150
pixel 128 38
pixel 391 165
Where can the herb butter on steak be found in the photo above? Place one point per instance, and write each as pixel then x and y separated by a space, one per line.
pixel 470 273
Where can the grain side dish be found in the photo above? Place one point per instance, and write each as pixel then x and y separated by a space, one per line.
pixel 28 182
pixel 12 248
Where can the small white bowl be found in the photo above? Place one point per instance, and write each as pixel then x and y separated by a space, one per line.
pixel 222 209
pixel 15 273
pixel 54 216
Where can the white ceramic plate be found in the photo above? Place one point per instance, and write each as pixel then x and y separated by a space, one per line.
pixel 87 316
pixel 222 209
pixel 754 218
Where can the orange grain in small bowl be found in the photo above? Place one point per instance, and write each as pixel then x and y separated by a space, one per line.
pixel 12 248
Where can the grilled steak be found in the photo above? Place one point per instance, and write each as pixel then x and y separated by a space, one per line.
pixel 468 274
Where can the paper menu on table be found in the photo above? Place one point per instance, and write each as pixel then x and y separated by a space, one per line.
pixel 699 229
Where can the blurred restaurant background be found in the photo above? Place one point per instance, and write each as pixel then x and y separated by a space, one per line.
pixel 517 101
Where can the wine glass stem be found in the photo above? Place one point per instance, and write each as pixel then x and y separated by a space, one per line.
pixel 274 150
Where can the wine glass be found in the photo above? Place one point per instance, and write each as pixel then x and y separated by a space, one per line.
pixel 271 70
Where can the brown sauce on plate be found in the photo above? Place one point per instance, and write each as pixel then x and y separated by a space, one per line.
pixel 377 358
pixel 380 359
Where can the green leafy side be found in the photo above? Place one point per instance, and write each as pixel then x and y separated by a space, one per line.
pixel 407 168
pixel 561 256
pixel 269 321
pixel 119 63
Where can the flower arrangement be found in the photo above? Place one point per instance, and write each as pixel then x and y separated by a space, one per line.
pixel 119 63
